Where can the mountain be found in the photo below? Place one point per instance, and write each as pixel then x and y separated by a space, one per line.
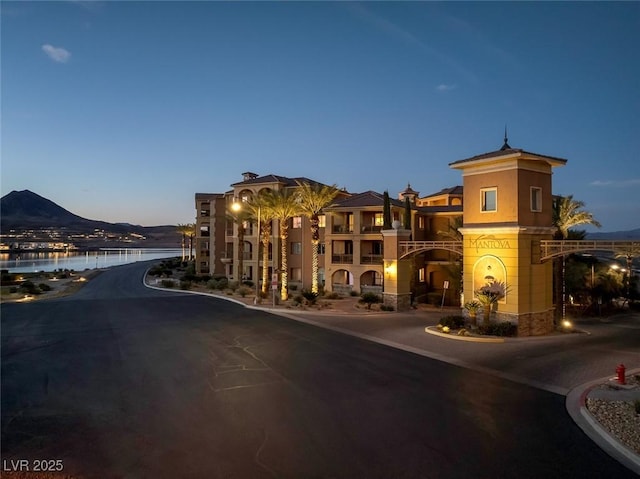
pixel 25 210
pixel 630 235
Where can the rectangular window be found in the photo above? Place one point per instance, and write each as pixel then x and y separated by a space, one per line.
pixel 421 222
pixel 296 222
pixel 489 199
pixel 421 275
pixel 321 248
pixel 536 199
pixel 322 221
pixel 378 219
pixel 296 248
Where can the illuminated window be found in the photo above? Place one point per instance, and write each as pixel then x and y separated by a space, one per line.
pixel 297 222
pixel 421 275
pixel 489 199
pixel 322 221
pixel 378 219
pixel 421 222
pixel 536 198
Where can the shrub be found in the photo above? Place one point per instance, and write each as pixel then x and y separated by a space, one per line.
pixel 503 329
pixel 298 299
pixel 353 293
pixel 452 321
pixel 293 287
pixel 310 296
pixel 248 282
pixel 185 285
pixel 212 284
pixel 167 283
pixel 244 290
pixel 44 287
pixel 13 289
pixel 434 298
pixel 233 286
pixel 223 283
pixel 29 287
pixel 369 299
pixel 189 277
pixel 386 307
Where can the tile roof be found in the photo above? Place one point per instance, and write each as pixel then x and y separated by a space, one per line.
pixel 506 152
pixel 367 198
pixel 440 209
pixel 453 190
pixel 283 180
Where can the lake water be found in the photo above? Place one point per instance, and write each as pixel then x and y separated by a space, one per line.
pixel 32 262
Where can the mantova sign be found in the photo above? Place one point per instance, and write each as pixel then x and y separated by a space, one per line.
pixel 489 242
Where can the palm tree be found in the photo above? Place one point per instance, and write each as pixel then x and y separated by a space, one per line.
pixel 190 231
pixel 259 207
pixel 283 205
pixel 312 199
pixel 239 215
pixel 454 269
pixel 566 215
pixel 183 230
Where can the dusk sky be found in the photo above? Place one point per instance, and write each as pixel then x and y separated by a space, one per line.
pixel 122 111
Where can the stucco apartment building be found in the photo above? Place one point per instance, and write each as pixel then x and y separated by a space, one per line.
pixel 351 244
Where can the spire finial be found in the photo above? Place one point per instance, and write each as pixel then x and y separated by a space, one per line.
pixel 506 144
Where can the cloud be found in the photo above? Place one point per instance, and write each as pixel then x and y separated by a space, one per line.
pixel 445 87
pixel 57 54
pixel 616 183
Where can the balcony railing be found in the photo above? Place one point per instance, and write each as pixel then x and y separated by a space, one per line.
pixel 342 258
pixel 342 229
pixel 371 259
pixel 372 229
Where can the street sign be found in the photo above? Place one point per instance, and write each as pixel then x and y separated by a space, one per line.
pixel 446 285
pixel 274 281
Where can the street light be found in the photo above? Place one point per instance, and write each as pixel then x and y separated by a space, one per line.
pixel 258 257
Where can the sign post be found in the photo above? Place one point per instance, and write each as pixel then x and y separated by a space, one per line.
pixel 274 287
pixel 444 291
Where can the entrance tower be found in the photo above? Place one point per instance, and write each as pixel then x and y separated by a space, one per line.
pixel 507 210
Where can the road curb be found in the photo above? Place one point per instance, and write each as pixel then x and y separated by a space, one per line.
pixel 577 409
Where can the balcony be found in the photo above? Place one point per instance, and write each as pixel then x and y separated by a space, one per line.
pixel 371 259
pixel 372 229
pixel 342 259
pixel 337 229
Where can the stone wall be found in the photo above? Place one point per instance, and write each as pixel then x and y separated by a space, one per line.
pixel 530 324
pixel 399 302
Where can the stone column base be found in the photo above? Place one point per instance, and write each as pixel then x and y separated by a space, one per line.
pixel 530 324
pixel 399 302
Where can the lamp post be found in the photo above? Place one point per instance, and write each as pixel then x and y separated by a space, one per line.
pixel 236 206
pixel 257 273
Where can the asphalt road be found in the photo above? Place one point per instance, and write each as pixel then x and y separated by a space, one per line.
pixel 122 381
